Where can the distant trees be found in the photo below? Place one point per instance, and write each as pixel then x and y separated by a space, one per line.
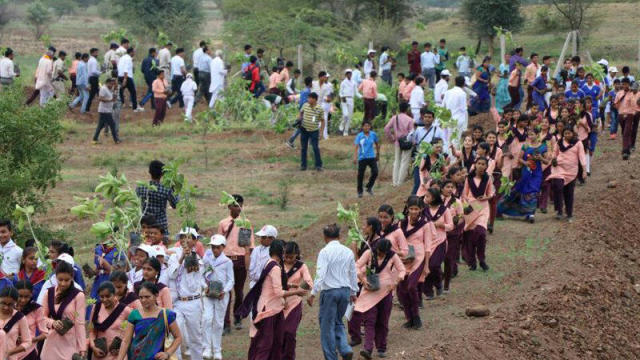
pixel 574 11
pixel 5 15
pixel 484 16
pixel 39 17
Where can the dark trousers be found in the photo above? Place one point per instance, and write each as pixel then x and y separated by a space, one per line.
pixel 74 88
pixel 434 279
pixel 514 92
pixel 369 109
pixel 416 180
pixel 131 87
pixel 176 83
pixel 354 326
pixel 529 96
pixel 408 293
pixel 305 137
pixel 161 111
pixel 545 189
pixel 203 86
pixel 453 253
pixel 475 242
pixel 196 76
pixel 95 88
pixel 267 344
pixel 376 324
pixel 239 278
pixel 563 193
pixel 634 134
pixel 33 96
pixel 362 167
pixel 106 120
pixel 291 323
pixel 149 95
pixel 626 122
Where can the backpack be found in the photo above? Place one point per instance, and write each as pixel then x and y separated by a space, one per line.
pixel 248 75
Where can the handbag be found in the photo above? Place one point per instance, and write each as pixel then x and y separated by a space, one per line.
pixel 167 340
pixel 403 142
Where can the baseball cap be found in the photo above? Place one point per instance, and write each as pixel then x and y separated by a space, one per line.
pixel 159 251
pixel 66 258
pixel 445 72
pixel 603 62
pixel 268 231
pixel 613 69
pixel 148 249
pixel 189 231
pixel 217 240
pixel 348 71
pixel 371 51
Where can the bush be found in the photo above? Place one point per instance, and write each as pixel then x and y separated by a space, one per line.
pixel 39 17
pixel 427 16
pixel 547 20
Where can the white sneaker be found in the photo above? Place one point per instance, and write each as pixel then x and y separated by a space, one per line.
pixel 187 352
pixel 217 356
pixel 169 104
pixel 139 109
pixel 341 127
pixel 345 133
pixel 206 354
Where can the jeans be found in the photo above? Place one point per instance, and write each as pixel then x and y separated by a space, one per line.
pixel 613 128
pixel 362 167
pixel 430 76
pixel 258 89
pixel 307 136
pixel 176 83
pixel 95 88
pixel 295 135
pixel 83 95
pixel 386 76
pixel 106 119
pixel 131 87
pixel 148 96
pixel 333 304
pixel 416 180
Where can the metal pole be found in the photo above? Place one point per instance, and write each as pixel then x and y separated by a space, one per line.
pixel 563 54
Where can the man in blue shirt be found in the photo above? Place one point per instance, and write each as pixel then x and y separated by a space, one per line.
pixel 365 155
pixel 574 92
pixel 304 95
pixel 149 69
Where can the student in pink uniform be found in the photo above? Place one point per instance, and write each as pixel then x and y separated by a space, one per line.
pixel 494 154
pixel 478 190
pixel 419 233
pixel 512 146
pixel 454 237
pixel 265 302
pixel 64 301
pixel 437 213
pixel 3 340
pixel 391 230
pixel 34 314
pixel 297 276
pixel 434 162
pixel 376 304
pixel 151 272
pixel 14 324
pixel 465 156
pixel 546 136
pixel 119 280
pixel 568 157
pixel 107 318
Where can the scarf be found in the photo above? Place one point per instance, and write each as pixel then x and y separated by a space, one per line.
pixel 391 228
pixel 57 315
pixel 515 134
pixel 564 148
pixel 377 268
pixel 468 161
pixel 250 303
pixel 106 324
pixel 37 276
pixel 404 224
pixel 478 191
pixel 129 298
pixel 31 306
pixel 294 269
pixel 372 242
pixel 494 151
pixel 14 319
pixel 435 217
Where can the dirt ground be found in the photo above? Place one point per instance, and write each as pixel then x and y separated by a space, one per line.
pixel 555 290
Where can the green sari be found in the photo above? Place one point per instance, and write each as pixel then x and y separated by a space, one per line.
pixel 149 334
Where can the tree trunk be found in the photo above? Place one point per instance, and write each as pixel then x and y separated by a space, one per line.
pixel 490 45
pixel 478 46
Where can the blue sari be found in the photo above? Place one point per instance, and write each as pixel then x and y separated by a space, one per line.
pixel 502 92
pixel 482 102
pixel 148 334
pixel 523 199
pixel 109 255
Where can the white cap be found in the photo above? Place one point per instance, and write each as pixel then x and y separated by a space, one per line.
pixel 159 251
pixel 445 72
pixel 189 76
pixel 348 71
pixel 268 231
pixel 217 240
pixel 613 69
pixel 148 249
pixel 66 258
pixel 603 62
pixel 189 231
pixel 371 51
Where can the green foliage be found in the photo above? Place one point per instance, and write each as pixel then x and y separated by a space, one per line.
pixel 350 217
pixel 30 163
pixel 546 20
pixel 180 20
pixel 39 17
pixel 174 179
pixel 116 36
pixel 505 186
pixel 23 216
pixel 283 194
pixel 227 200
pixel 426 16
pixel 484 16
pixel 163 39
pixel 62 7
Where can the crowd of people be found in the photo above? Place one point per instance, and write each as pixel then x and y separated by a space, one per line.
pixel 145 303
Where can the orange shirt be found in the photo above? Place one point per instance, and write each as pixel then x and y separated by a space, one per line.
pixel 158 87
pixel 406 94
pixel 271 300
pixel 514 77
pixel 389 278
pixel 626 102
pixel 284 76
pixel 232 248
pixel 274 78
pixel 74 67
pixel 369 89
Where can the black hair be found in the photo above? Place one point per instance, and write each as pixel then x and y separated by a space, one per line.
pixel 386 208
pixel 546 57
pixel 203 43
pixel 427 44
pixel 292 248
pixel 77 55
pixel 485 146
pixel 453 170
pixel 9 292
pixel 155 264
pixel 373 74
pixel 533 55
pixel 85 56
pixel 289 63
pixel 90 51
pixel 148 220
pixel 151 287
pixel 625 69
pixel 462 48
pixel 436 197
pixel 260 51
pixel 156 225
pixel 23 285
pixel 460 81
pixel 179 50
pixel 477 127
pixel 112 46
pixel 616 81
pixel 277 248
pixel 491 132
pixel 26 252
pixel 64 268
pixel 383 245
pixel 8 52
pixel 152 50
pixel 626 80
pixel 403 107
pixel 444 182
pixel 313 96
pixel 124 41
pixel 253 59
pixel 425 111
pixel 375 224
pixel 63 53
pixel 130 50
pixel 238 198
pixel 274 69
pixel 418 80
pixel 247 47
pixel 156 169
pixel 400 74
pixel 322 73
pixel 482 158
pixel 6 223
pixel 414 201
pixel 119 276
pixel 61 247
pixel 436 140
pixel 107 285
pixel 331 231
pixel 308 81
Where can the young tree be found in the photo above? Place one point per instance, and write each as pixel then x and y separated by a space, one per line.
pixel 39 17
pixel 483 16
pixel 5 15
pixel 62 7
pixel 574 11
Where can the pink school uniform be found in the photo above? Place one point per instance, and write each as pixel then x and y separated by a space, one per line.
pixel 17 335
pixel 376 305
pixel 131 301
pixel 298 274
pixel 475 235
pixel 3 340
pixel 108 324
pixel 454 238
pixel 569 157
pixel 34 313
pixel 440 217
pixel 62 347
pixel 164 296
pixel 394 234
pixel 513 145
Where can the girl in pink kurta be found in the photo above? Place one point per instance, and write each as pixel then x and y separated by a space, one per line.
pixel 298 277
pixel 436 162
pixel 547 136
pixel 419 233
pixel 34 313
pixel 466 155
pixel 376 304
pixel 569 156
pixel 495 154
pixel 64 302
pixel 512 146
pixel 119 280
pixel 107 318
pixel 391 231
pixel 151 272
pixel 454 237
pixel 478 190
pixel 437 213
pixel 14 324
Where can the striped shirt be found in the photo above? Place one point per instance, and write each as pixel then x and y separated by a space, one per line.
pixel 311 116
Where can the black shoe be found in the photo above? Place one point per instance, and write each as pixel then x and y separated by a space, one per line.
pixel 303 169
pixel 349 356
pixel 625 156
pixel 370 191
pixel 633 149
pixel 409 324
pixel 359 195
pixel 544 211
pixel 455 273
pixel 421 306
pixel 490 228
pixel 445 290
pixel 417 323
pixel 473 267
pixel 366 354
pixel 319 169
pixel 353 343
pixel 237 324
pixel 438 291
pixel 484 266
pixel 588 173
pixel 430 297
pixel 226 331
pixel 382 354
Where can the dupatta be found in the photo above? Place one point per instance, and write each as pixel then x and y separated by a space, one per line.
pixel 149 336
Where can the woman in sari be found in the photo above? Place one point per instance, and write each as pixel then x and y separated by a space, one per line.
pixel 503 98
pixel 148 328
pixel 523 199
pixel 482 102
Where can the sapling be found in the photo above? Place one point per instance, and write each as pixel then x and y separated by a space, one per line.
pixel 244 234
pixel 505 186
pixel 23 216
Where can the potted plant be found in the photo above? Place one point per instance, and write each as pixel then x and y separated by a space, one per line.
pixel 373 280
pixel 101 343
pixel 115 345
pixel 214 289
pixel 411 254
pixel 244 226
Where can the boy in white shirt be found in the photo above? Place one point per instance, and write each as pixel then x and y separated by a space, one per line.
pixel 188 89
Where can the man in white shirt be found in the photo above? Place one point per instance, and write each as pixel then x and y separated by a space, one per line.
pixel 260 254
pixel 164 58
pixel 59 76
pixel 428 61
pixel 125 79
pixel 455 100
pixel 369 65
pixel 122 49
pixel 337 283
pixel 7 73
pixel 463 63
pixel 204 75
pixel 178 73
pixel 385 66
pixel 441 87
pixel 218 73
pixel 347 92
pixel 110 60
pixel 424 133
pixel 416 100
pixel 188 90
pixel 10 253
pixel 195 60
pixel 94 76
pixel 44 76
pixel 323 88
pixel 357 77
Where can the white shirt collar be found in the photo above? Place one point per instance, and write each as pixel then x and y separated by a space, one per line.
pixel 10 244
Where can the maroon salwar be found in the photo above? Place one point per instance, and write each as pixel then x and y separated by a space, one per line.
pixel 434 279
pixel 267 344
pixel 563 193
pixel 626 122
pixel 545 189
pixel 475 242
pixel 634 129
pixel 239 278
pixel 354 326
pixel 369 109
pixel 493 202
pixel 409 293
pixel 376 324
pixel 161 111
pixel 291 323
pixel 454 239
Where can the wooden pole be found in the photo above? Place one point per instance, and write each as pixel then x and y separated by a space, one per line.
pixel 370 45
pixel 503 48
pixel 563 53
pixel 574 43
pixel 300 57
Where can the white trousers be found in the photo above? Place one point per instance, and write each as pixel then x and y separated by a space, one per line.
pixel 45 95
pixel 188 317
pixel 326 107
pixel 401 162
pixel 415 112
pixel 213 324
pixel 347 115
pixel 188 106
pixel 214 97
